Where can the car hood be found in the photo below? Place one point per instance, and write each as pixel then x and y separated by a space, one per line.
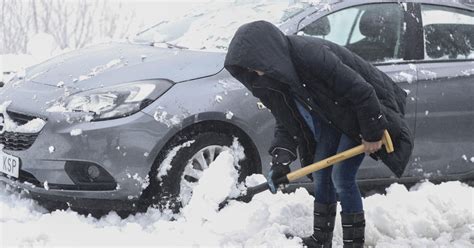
pixel 114 63
pixel 101 66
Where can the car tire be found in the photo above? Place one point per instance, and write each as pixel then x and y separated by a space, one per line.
pixel 165 193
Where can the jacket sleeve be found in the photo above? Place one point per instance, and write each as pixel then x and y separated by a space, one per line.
pixel 346 83
pixel 282 138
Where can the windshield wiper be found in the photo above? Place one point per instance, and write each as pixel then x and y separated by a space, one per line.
pixel 170 45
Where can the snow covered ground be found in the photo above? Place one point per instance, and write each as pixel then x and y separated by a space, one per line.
pixel 427 215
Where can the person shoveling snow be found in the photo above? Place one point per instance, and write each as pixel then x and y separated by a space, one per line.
pixel 325 99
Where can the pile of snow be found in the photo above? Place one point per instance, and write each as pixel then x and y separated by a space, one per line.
pixel 428 215
pixel 224 177
pixel 8 125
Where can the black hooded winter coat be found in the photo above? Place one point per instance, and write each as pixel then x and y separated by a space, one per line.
pixel 333 83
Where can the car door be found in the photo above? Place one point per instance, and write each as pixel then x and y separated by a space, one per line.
pixel 444 144
pixel 377 32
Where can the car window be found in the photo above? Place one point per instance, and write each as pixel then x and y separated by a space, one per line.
pixel 374 32
pixel 448 32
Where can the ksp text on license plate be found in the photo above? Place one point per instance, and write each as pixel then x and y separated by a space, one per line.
pixel 9 164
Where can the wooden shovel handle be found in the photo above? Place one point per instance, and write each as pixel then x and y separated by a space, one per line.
pixel 386 140
pixel 325 163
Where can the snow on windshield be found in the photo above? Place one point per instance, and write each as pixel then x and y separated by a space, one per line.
pixel 213 25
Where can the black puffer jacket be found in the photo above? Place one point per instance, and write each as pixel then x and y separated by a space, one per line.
pixel 335 84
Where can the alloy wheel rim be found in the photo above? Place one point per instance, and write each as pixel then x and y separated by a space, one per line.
pixel 199 162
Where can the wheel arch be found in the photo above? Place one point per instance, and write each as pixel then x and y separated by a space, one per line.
pixel 214 121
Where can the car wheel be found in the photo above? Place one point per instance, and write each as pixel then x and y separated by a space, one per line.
pixel 174 190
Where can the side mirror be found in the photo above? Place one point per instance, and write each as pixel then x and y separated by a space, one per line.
pixel 1 84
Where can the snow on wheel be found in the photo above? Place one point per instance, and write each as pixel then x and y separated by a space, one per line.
pixel 187 156
pixel 193 170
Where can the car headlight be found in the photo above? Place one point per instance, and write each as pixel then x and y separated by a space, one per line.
pixel 115 101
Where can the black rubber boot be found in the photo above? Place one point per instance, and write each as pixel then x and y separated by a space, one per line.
pixel 323 224
pixel 353 230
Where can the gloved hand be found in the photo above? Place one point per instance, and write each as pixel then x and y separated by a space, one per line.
pixel 281 160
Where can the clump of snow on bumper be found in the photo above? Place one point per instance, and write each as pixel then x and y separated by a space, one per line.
pixel 32 126
pixel 76 132
pixel 144 182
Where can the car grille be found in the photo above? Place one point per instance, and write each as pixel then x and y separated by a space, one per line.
pixel 20 119
pixel 17 141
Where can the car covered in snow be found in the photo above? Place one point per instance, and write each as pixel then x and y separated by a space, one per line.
pixel 122 125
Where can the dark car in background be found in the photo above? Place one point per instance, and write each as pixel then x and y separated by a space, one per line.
pixel 106 117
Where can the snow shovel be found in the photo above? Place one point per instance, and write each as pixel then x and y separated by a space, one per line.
pixel 290 177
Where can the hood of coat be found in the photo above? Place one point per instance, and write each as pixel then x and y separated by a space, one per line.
pixel 261 46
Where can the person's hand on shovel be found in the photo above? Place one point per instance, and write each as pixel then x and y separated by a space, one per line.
pixel 281 160
pixel 371 147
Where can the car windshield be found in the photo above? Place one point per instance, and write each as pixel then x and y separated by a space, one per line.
pixel 212 26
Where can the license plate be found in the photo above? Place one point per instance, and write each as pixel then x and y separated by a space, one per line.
pixel 9 164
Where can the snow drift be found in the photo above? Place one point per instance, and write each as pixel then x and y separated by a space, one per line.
pixel 427 215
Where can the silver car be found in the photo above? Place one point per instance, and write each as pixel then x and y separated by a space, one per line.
pixel 99 127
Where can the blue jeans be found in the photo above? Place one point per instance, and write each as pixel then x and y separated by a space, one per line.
pixel 339 179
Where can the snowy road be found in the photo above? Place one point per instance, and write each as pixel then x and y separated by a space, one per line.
pixel 426 216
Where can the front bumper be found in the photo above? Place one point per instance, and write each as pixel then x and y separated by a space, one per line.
pixel 126 148
pixel 60 199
